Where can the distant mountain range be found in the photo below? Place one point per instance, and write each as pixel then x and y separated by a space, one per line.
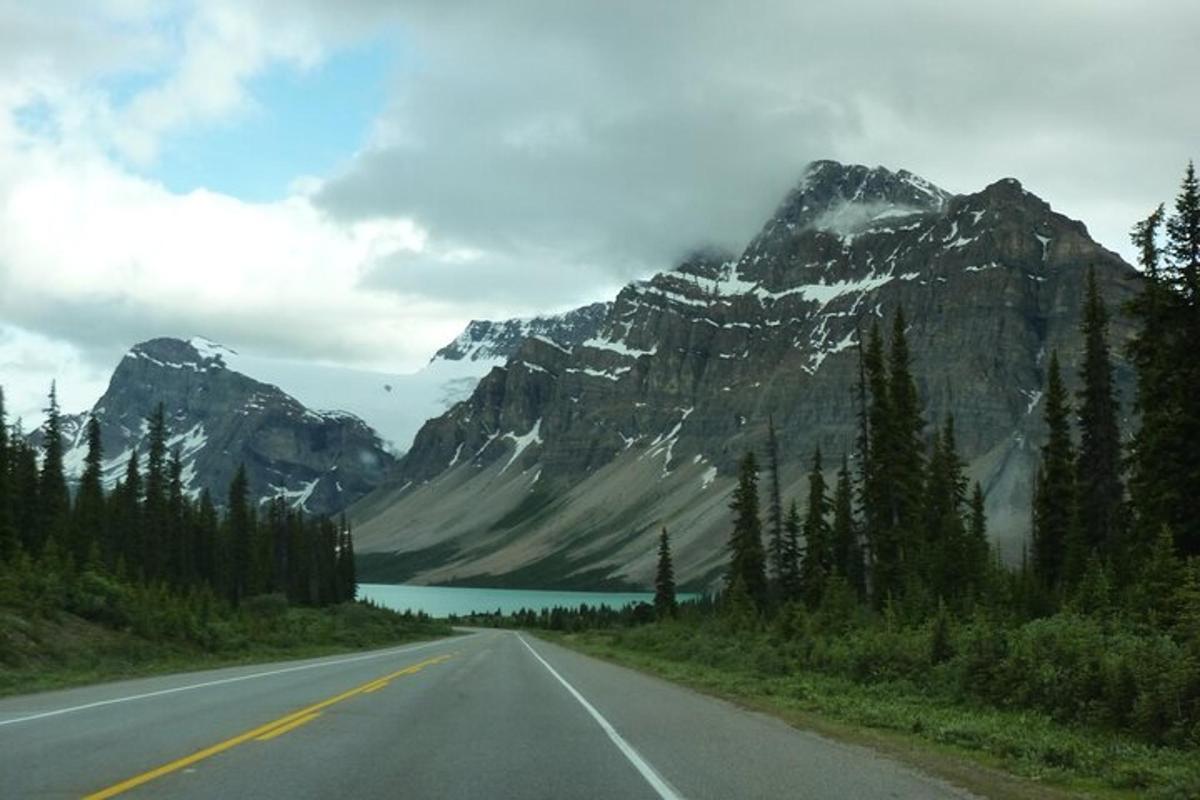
pixel 562 464
pixel 225 409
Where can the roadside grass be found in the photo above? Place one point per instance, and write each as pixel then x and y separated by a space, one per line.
pixel 995 752
pixel 44 651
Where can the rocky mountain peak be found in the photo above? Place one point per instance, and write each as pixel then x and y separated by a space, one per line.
pixel 218 418
pixel 498 339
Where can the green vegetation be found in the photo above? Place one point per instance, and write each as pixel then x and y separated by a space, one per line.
pixel 148 579
pixel 1082 666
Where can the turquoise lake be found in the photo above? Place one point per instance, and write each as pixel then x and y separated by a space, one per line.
pixel 441 601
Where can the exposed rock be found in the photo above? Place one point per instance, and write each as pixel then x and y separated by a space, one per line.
pixel 563 463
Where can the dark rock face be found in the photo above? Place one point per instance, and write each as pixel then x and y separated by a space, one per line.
pixel 488 339
pixel 572 456
pixel 219 418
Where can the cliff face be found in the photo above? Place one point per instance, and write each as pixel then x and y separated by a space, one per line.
pixel 562 464
pixel 219 418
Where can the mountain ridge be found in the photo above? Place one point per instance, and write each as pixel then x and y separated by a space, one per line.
pixel 689 364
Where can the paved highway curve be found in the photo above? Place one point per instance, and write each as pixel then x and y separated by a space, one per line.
pixel 490 714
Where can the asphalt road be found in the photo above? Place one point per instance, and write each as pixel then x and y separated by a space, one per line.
pixel 486 715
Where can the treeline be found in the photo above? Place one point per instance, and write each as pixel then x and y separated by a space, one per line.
pixel 150 531
pixel 887 577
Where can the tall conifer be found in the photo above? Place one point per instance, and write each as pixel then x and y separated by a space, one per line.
pixel 664 579
pixel 777 549
pixel 53 497
pixel 1054 500
pixel 817 565
pixel 748 559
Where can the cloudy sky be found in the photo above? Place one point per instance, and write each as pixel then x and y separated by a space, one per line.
pixel 351 182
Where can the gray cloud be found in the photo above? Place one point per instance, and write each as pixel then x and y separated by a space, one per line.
pixel 616 135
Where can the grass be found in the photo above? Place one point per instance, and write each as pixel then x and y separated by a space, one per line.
pixel 995 752
pixel 59 650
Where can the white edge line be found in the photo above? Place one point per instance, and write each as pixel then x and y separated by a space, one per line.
pixel 656 781
pixel 220 682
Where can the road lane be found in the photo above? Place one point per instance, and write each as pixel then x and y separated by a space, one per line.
pixel 484 715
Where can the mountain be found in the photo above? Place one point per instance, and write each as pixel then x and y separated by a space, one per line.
pixel 396 405
pixel 562 464
pixel 218 418
pixel 486 340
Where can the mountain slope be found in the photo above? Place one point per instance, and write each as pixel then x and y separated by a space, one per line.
pixel 218 418
pixel 561 465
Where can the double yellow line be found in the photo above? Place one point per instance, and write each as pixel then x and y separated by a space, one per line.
pixel 263 732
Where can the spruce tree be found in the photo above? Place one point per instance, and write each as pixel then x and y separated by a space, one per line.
pixel 1054 494
pixel 945 547
pixel 8 530
pixel 747 556
pixel 241 536
pixel 664 579
pixel 848 561
pixel 53 497
pixel 350 572
pixel 25 484
pixel 978 549
pixel 157 511
pixel 1101 491
pixel 877 488
pixel 89 523
pixel 905 463
pixel 1183 239
pixel 126 527
pixel 774 508
pixel 791 587
pixel 817 565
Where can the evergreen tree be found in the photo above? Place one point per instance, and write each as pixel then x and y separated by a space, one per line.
pixel 791 587
pixel 748 559
pixel 905 447
pixel 818 545
pixel 1165 460
pixel 664 579
pixel 350 573
pixel 178 548
pixel 26 487
pixel 945 549
pixel 978 549
pixel 877 489
pixel 775 509
pixel 1101 492
pixel 8 530
pixel 126 527
pixel 848 560
pixel 89 523
pixel 53 497
pixel 1183 239
pixel 1054 492
pixel 157 515
pixel 241 534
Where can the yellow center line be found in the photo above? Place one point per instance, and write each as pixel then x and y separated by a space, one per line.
pixel 282 729
pixel 261 732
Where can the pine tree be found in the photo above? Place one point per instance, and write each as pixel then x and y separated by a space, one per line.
pixel 127 526
pixel 1054 493
pixel 157 513
pixel 1183 239
pixel 8 530
pixel 945 547
pixel 877 490
pixel 906 447
pixel 774 508
pixel 350 573
pixel 89 523
pixel 791 586
pixel 53 497
pixel 664 579
pixel 978 549
pixel 26 486
pixel 241 534
pixel 1101 492
pixel 848 560
pixel 748 559
pixel 817 565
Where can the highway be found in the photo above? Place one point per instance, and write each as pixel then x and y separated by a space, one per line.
pixel 489 714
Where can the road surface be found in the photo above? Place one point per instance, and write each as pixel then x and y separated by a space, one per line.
pixel 490 714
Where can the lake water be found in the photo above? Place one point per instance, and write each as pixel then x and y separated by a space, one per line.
pixel 441 601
